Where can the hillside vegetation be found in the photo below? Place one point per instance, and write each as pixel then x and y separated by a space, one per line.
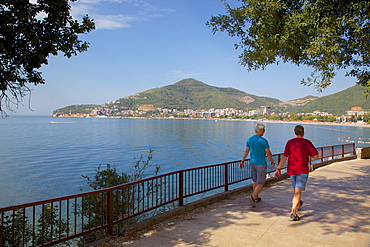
pixel 75 109
pixel 338 103
pixel 193 94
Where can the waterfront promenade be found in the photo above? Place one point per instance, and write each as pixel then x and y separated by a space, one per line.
pixel 336 212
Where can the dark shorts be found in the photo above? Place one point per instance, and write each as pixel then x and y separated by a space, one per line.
pixel 299 181
pixel 258 173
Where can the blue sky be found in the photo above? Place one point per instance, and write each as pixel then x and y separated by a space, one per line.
pixel 144 44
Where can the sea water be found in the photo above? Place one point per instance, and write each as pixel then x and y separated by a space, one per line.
pixel 44 157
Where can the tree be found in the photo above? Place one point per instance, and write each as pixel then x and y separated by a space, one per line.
pixel 125 200
pixel 14 229
pixel 367 118
pixel 293 117
pixel 325 35
pixel 275 117
pixel 51 226
pixel 29 33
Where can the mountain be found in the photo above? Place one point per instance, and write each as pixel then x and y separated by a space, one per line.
pixel 337 103
pixel 193 94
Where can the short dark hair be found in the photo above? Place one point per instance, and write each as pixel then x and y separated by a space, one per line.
pixel 299 130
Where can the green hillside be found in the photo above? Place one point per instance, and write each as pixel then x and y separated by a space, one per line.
pixel 338 103
pixel 73 109
pixel 193 94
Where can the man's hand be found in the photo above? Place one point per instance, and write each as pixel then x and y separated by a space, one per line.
pixel 310 168
pixel 277 174
pixel 241 165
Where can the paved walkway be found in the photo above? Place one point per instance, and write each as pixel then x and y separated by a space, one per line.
pixel 336 212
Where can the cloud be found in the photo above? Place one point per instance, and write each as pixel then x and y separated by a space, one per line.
pixel 102 21
pixel 108 14
pixel 136 3
pixel 113 21
pixel 107 17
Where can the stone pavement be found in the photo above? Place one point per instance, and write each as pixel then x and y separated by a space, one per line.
pixel 336 212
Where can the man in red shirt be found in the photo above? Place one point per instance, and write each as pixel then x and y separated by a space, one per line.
pixel 298 151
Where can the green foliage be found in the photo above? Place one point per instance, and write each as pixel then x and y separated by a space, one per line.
pixel 366 118
pixel 325 35
pixel 85 109
pixel 294 117
pixel 16 229
pixel 124 200
pixel 50 226
pixel 26 41
pixel 275 117
pixel 106 178
pixel 318 118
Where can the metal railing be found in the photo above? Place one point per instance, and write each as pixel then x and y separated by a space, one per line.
pixel 49 222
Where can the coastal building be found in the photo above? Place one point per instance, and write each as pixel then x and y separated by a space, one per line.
pixel 265 110
pixel 356 111
pixel 254 112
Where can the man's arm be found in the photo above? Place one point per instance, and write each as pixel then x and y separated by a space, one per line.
pixel 269 155
pixel 314 157
pixel 246 152
pixel 313 151
pixel 281 163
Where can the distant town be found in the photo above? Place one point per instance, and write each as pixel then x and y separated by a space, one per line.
pixel 353 115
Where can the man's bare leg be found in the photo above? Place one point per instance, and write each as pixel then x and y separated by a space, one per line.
pixel 296 200
pixel 257 188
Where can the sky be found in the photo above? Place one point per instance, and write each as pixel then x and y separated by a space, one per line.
pixel 143 44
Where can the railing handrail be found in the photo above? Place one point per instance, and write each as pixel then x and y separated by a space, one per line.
pixel 182 190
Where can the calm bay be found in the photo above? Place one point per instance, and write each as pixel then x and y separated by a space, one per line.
pixel 44 157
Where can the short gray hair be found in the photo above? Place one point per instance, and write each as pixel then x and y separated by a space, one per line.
pixel 259 127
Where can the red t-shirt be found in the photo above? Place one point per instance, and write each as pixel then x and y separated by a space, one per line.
pixel 298 151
